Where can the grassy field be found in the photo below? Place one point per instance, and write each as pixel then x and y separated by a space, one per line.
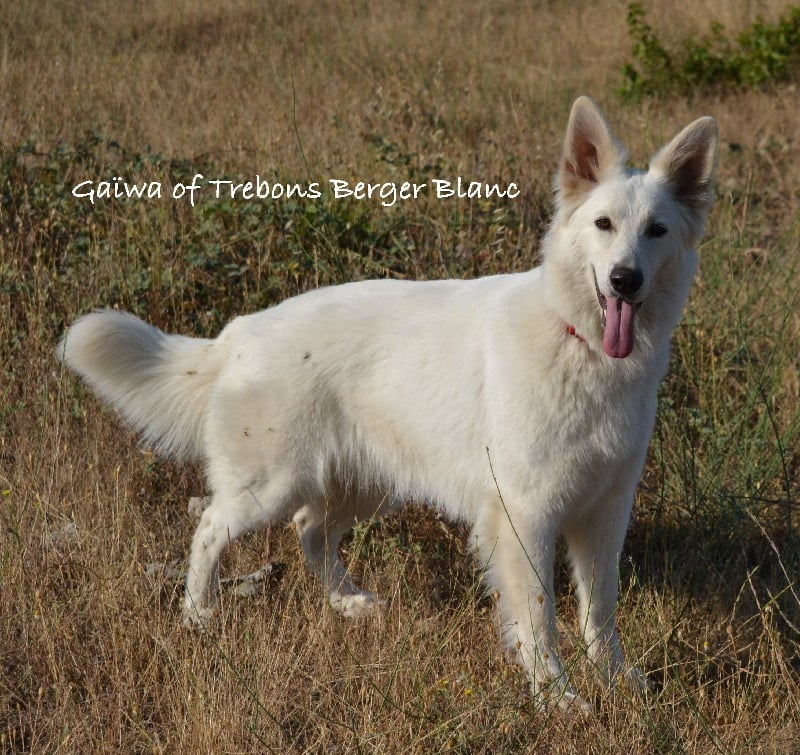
pixel 91 655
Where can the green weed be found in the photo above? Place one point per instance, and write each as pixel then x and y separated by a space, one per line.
pixel 761 55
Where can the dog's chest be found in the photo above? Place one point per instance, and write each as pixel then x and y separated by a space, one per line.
pixel 589 417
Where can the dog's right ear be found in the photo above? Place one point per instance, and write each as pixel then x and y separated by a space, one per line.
pixel 590 151
pixel 688 162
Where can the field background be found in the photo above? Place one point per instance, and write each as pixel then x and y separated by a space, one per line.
pixel 91 655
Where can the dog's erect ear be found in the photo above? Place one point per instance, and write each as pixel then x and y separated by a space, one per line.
pixel 590 150
pixel 688 163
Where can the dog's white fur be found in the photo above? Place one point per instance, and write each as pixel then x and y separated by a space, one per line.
pixel 473 396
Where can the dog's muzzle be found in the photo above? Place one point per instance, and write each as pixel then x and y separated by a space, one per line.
pixel 618 311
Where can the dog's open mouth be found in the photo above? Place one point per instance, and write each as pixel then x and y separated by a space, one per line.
pixel 617 317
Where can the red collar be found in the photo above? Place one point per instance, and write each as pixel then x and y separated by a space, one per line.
pixel 572 332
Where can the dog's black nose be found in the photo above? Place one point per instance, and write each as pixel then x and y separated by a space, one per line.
pixel 626 281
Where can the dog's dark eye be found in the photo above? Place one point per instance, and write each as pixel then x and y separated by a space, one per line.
pixel 603 223
pixel 657 230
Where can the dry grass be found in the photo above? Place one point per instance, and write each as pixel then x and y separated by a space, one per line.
pixel 91 657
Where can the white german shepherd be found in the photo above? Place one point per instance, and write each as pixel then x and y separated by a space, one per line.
pixel 521 403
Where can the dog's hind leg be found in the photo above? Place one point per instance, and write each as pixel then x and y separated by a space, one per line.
pixel 319 539
pixel 229 516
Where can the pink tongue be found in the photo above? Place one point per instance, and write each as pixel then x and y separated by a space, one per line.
pixel 618 334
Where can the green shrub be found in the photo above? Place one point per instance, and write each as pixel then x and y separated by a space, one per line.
pixel 760 55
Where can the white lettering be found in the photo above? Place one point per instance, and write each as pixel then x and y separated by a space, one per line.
pixel 473 190
pixel 116 188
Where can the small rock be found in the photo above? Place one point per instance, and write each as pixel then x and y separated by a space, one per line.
pixel 64 539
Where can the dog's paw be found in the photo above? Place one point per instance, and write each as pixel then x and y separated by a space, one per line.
pixel 198 619
pixel 555 696
pixel 355 604
pixel 572 703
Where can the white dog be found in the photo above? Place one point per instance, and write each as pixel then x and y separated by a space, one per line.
pixel 521 403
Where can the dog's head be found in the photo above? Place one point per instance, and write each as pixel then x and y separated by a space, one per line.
pixel 621 249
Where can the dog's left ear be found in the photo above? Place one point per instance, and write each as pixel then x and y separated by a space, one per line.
pixel 590 152
pixel 687 163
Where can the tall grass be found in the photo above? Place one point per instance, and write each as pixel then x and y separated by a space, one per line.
pixel 91 655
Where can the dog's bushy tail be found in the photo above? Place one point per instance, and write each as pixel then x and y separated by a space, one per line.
pixel 159 383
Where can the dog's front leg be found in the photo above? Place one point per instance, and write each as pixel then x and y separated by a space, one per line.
pixel 519 555
pixel 594 544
